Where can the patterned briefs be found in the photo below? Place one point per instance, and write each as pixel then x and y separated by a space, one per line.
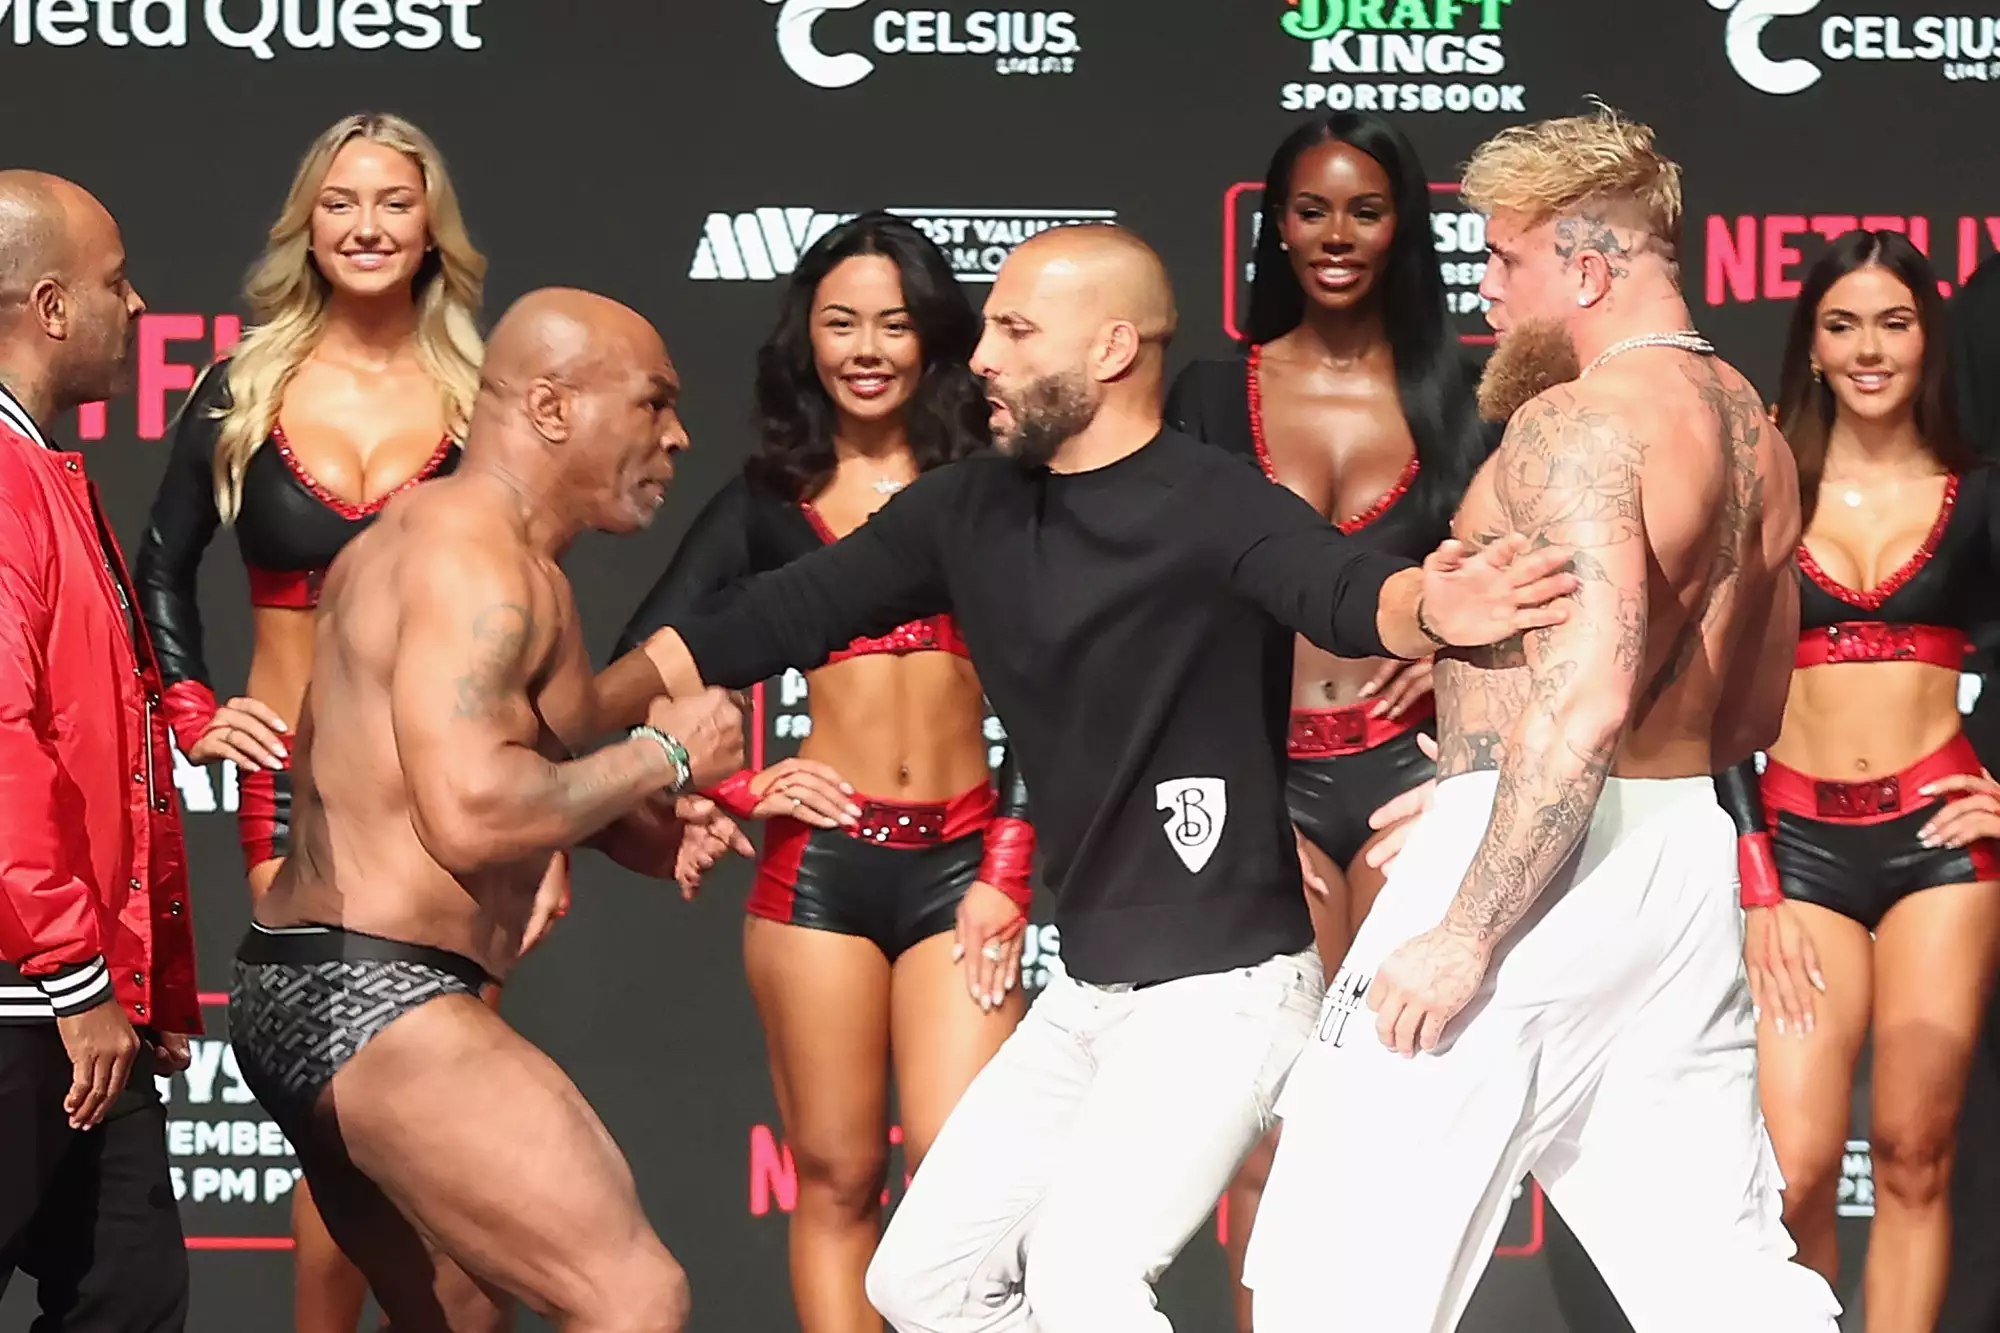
pixel 307 998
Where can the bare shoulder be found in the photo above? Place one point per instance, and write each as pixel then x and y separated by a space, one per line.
pixel 1571 455
pixel 462 571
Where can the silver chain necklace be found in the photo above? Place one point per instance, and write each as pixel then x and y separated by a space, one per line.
pixel 1686 340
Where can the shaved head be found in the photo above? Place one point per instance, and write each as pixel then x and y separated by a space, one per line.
pixel 34 233
pixel 67 313
pixel 568 335
pixel 1078 321
pixel 1108 271
pixel 579 399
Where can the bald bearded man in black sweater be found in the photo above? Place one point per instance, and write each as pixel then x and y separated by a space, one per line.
pixel 1129 597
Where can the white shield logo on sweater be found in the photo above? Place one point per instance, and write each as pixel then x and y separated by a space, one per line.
pixel 1196 810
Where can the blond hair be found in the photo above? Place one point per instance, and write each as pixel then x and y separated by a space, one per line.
pixel 1556 167
pixel 287 299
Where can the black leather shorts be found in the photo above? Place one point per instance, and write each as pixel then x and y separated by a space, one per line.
pixel 1330 799
pixel 896 897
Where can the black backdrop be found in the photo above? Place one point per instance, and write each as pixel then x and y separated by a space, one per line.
pixel 677 155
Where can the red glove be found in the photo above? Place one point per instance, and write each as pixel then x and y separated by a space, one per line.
pixel 1010 859
pixel 189 707
pixel 1758 870
pixel 733 793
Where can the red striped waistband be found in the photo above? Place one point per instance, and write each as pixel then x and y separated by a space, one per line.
pixel 1325 733
pixel 1873 801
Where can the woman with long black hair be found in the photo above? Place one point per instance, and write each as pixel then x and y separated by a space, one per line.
pixel 1871 877
pixel 1352 393
pixel 893 879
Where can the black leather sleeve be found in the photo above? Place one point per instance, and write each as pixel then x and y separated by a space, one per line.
pixel 1013 791
pixel 182 524
pixel 714 554
pixel 1739 793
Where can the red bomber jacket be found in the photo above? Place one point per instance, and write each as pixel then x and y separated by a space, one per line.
pixel 93 872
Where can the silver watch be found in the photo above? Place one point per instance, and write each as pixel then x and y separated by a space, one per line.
pixel 677 755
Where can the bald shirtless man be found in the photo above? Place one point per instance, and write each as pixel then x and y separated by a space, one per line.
pixel 1552 981
pixel 1129 596
pixel 434 781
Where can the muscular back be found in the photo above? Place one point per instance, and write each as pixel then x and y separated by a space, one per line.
pixel 1680 499
pixel 438 631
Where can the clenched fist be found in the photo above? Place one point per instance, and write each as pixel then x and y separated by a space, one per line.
pixel 710 726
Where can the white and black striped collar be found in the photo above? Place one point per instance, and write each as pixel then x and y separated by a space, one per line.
pixel 17 416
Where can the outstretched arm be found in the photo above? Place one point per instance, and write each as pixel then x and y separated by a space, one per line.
pixel 474 631
pixel 881 575
pixel 1567 475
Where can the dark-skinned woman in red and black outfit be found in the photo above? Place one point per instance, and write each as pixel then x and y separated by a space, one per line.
pixel 884 929
pixel 1870 875
pixel 1353 395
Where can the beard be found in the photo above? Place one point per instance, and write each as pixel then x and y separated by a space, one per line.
pixel 1046 413
pixel 105 361
pixel 1534 356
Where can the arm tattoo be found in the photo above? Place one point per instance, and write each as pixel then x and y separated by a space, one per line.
pixel 1592 232
pixel 1566 475
pixel 500 635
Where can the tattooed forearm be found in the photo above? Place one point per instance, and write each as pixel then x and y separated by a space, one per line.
pixel 1542 807
pixel 1551 722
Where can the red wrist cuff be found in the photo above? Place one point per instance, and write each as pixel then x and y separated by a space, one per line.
pixel 733 793
pixel 1009 861
pixel 1757 867
pixel 189 706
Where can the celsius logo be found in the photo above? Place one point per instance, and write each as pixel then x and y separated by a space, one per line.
pixel 1421 38
pixel 256 26
pixel 766 243
pixel 1020 41
pixel 1966 47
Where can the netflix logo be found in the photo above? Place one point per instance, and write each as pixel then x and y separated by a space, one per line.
pixel 1750 258
pixel 164 369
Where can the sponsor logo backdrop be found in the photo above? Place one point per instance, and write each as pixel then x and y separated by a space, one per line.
pixel 680 156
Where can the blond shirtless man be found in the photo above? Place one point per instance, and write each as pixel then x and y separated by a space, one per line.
pixel 453 1161
pixel 1552 981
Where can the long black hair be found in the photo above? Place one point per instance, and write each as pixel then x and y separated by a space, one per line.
pixel 1431 381
pixel 1806 405
pixel 947 416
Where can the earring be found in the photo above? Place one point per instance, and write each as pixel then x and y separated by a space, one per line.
pixel 1283 246
pixel 1583 300
pixel 1819 376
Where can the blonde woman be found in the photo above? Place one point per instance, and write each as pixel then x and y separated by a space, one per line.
pixel 354 384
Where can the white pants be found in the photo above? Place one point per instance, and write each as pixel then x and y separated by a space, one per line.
pixel 1089 1150
pixel 1611 1051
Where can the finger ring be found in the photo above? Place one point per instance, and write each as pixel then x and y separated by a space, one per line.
pixel 796 803
pixel 992 951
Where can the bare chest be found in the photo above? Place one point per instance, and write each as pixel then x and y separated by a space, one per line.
pixel 360 439
pixel 1341 445
pixel 1861 537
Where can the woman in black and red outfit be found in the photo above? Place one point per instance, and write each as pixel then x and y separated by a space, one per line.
pixel 892 878
pixel 354 385
pixel 1872 898
pixel 1354 395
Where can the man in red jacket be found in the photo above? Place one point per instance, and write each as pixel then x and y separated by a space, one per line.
pixel 97 987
